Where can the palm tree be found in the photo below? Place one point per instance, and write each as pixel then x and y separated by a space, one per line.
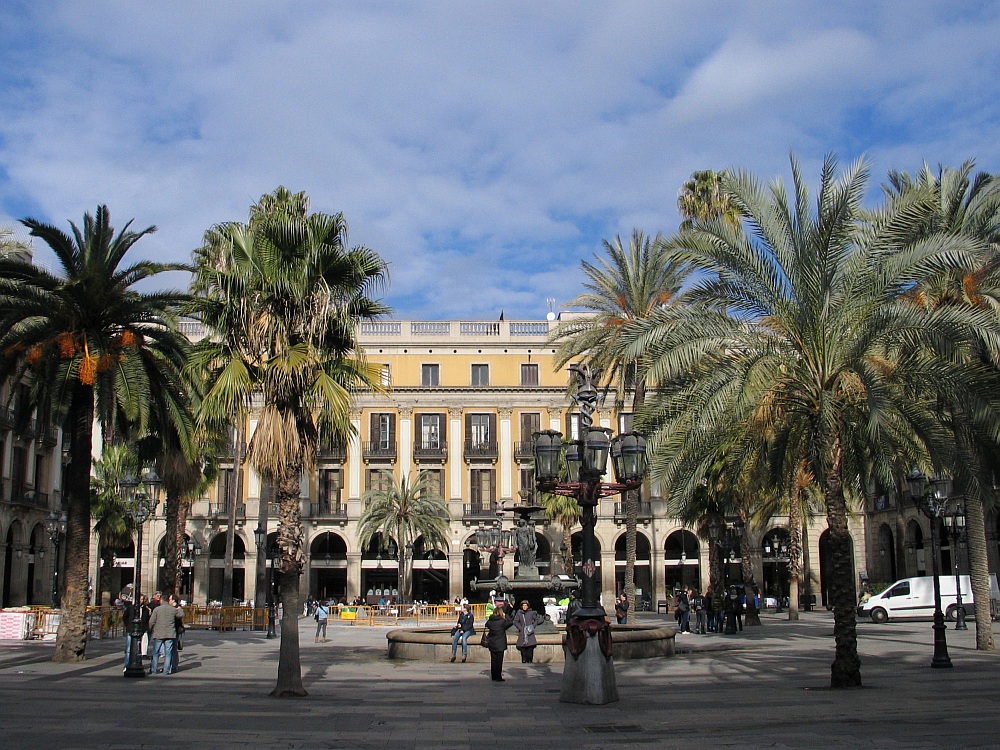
pixel 703 197
pixel 964 206
pixel 89 345
pixel 282 296
pixel 565 511
pixel 404 511
pixel 808 337
pixel 626 286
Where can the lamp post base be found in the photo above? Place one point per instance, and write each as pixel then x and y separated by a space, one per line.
pixel 589 673
pixel 940 658
pixel 135 667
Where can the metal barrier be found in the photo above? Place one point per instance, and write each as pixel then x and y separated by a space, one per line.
pixel 394 614
pixel 225 618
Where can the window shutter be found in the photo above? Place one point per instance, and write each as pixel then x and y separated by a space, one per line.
pixel 493 428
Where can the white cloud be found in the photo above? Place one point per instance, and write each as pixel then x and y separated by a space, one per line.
pixel 484 150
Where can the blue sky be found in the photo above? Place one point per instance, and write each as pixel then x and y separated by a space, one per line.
pixel 483 149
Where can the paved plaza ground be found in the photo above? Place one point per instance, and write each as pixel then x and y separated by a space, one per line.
pixel 766 687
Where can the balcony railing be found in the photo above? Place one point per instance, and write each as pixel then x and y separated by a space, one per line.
pixel 524 450
pixel 378 451
pixel 478 451
pixel 437 452
pixel 333 452
pixel 327 510
pixel 645 511
pixel 30 498
pixel 480 510
pixel 222 511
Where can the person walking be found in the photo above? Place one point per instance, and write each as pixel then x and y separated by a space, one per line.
pixel 321 614
pixel 700 613
pixel 163 626
pixel 684 611
pixel 178 642
pixel 461 632
pixel 621 609
pixel 526 620
pixel 495 639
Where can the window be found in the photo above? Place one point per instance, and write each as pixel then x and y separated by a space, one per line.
pixel 574 426
pixel 430 375
pixel 377 480
pixel 435 483
pixel 479 429
pixel 224 487
pixel 531 423
pixel 625 423
pixel 386 376
pixel 529 374
pixel 383 432
pixel 528 481
pixel 430 431
pixel 480 375
pixel 482 487
pixel 330 483
pixel 900 589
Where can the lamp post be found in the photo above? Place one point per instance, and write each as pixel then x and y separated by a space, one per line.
pixel 140 505
pixel 496 540
pixel 955 523
pixel 56 526
pixel 930 498
pixel 260 536
pixel 193 549
pixel 589 676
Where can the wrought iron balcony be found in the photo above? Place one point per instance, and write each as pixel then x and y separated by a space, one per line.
pixel 479 451
pixel 645 511
pixel 334 451
pixel 524 450
pixel 436 453
pixel 480 510
pixel 374 450
pixel 222 511
pixel 323 509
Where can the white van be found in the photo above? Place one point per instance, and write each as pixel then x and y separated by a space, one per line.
pixel 914 597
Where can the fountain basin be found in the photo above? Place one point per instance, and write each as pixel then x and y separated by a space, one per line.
pixel 434 644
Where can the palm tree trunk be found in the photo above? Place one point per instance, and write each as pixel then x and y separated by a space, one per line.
pixel 846 667
pixel 979 573
pixel 71 638
pixel 794 550
pixel 171 548
pixel 290 562
pixel 752 616
pixel 567 542
pixel 235 495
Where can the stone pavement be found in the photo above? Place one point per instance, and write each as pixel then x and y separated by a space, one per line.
pixel 764 688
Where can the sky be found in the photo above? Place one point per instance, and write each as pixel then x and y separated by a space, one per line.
pixel 484 149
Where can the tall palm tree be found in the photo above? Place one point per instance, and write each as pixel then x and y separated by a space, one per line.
pixel 808 336
pixel 565 511
pixel 703 197
pixel 627 285
pixel 89 345
pixel 405 511
pixel 282 296
pixel 964 205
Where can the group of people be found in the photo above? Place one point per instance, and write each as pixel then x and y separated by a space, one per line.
pixel 162 628
pixel 503 617
pixel 710 609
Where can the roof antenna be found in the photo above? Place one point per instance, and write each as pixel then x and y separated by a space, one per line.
pixel 551 301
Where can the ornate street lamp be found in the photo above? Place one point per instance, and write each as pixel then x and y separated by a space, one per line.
pixel 496 540
pixel 192 550
pixel 954 522
pixel 930 497
pixel 56 526
pixel 260 536
pixel 589 676
pixel 141 498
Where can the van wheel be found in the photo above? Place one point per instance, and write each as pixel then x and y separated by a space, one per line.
pixel 879 615
pixel 951 613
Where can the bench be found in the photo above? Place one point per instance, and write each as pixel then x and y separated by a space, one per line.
pixel 662 605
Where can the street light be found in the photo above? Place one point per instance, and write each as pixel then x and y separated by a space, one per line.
pixel 930 497
pixel 260 536
pixel 139 505
pixel 589 676
pixel 56 526
pixel 193 549
pixel 954 521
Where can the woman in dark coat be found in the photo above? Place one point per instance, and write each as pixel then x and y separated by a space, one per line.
pixel 526 620
pixel 496 641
